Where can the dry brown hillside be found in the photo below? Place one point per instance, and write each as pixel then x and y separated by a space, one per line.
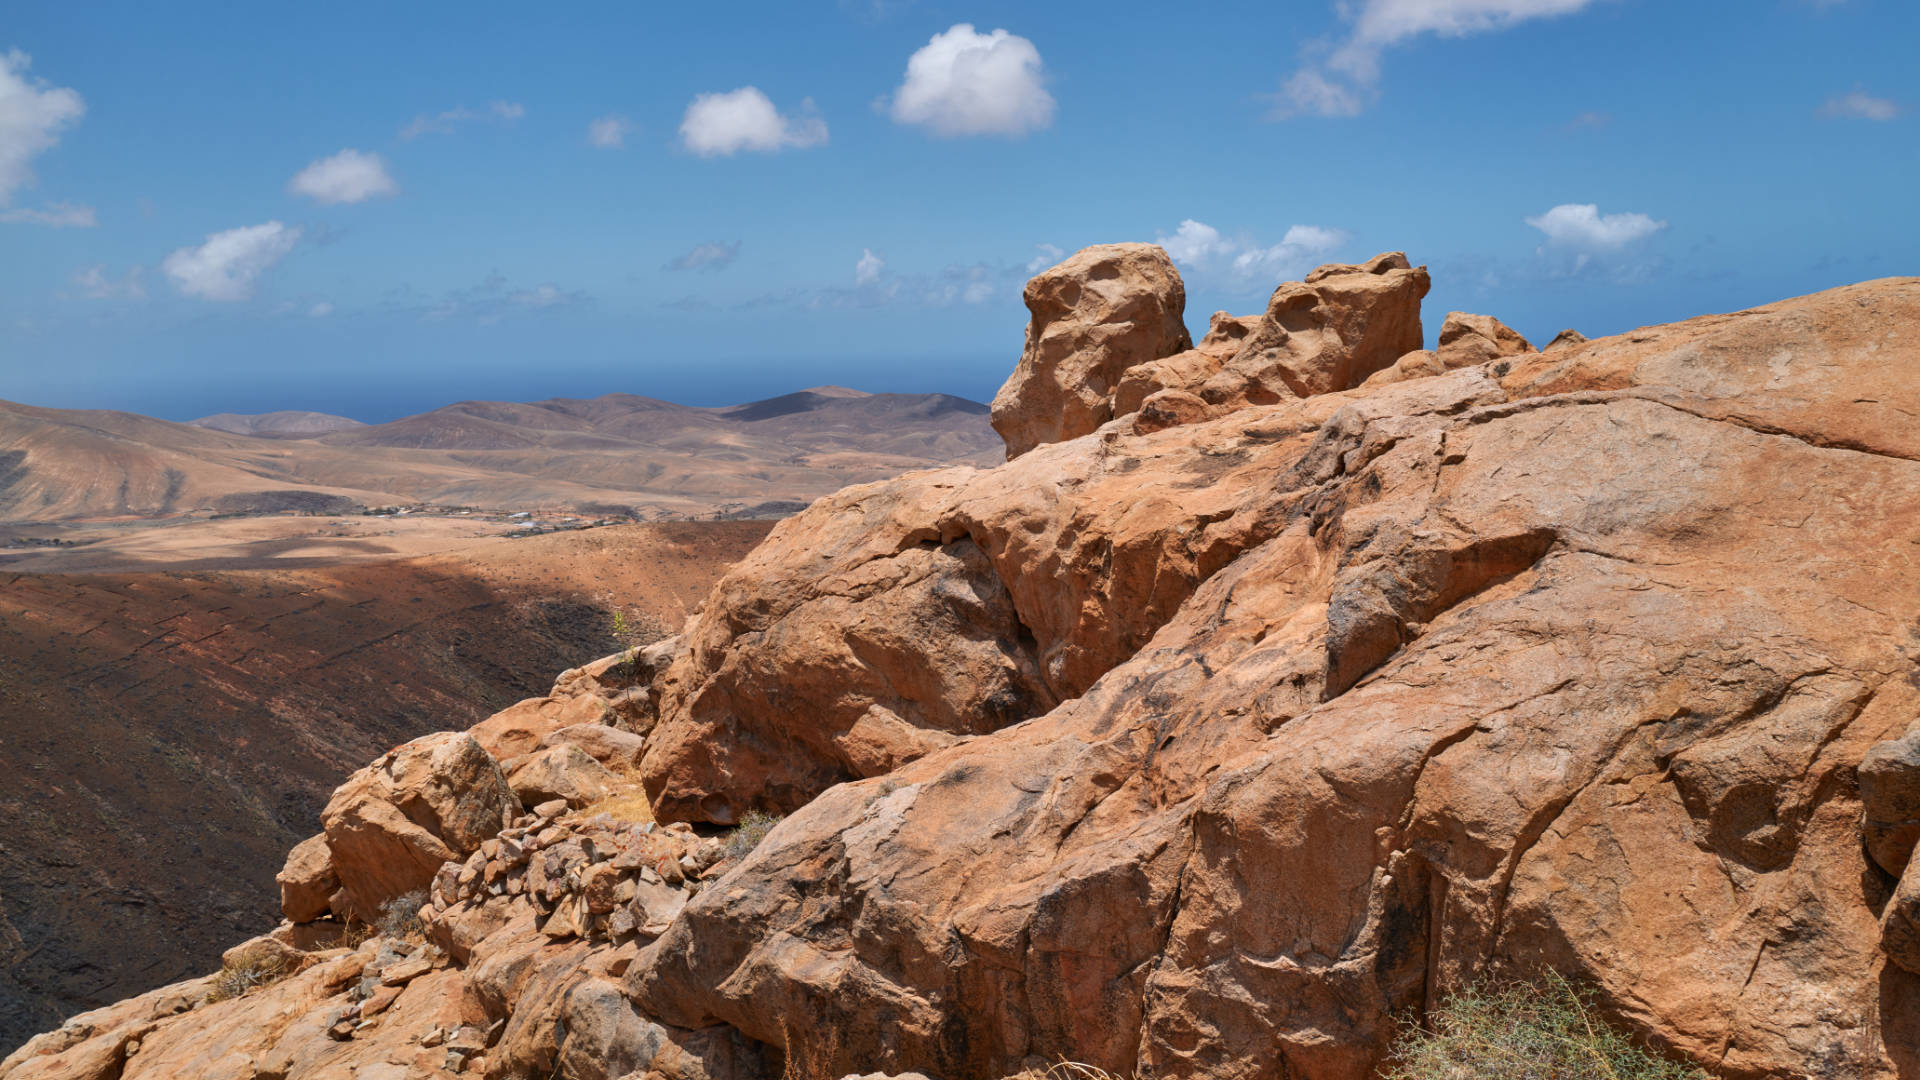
pixel 618 454
pixel 165 735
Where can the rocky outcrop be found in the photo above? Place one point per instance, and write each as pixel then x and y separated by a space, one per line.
pixel 1465 341
pixel 1890 801
pixel 307 883
pixel 1095 315
pixel 392 824
pixel 1218 749
pixel 1325 334
pixel 1448 717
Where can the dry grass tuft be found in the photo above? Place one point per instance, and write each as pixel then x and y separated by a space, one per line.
pixel 400 917
pixel 1523 1031
pixel 628 806
pixel 249 971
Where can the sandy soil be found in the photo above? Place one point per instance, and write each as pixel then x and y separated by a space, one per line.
pixel 257 543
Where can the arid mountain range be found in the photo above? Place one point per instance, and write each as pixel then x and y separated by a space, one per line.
pixel 621 455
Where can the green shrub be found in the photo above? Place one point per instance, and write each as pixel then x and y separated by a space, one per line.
pixel 753 829
pixel 1523 1031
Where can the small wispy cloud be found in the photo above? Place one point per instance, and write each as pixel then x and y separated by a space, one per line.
pixel 609 132
pixel 95 283
pixel 1860 105
pixel 492 300
pixel 714 256
pixel 869 268
pixel 58 215
pixel 1045 255
pixel 442 123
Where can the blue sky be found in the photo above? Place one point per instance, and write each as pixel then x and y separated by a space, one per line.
pixel 376 209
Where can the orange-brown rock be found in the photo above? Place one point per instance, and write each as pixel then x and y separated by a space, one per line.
pixel 308 880
pixel 392 824
pixel 1565 339
pixel 1185 372
pixel 563 771
pixel 1890 801
pixel 610 746
pixel 1595 662
pixel 515 732
pixel 1327 333
pixel 1102 311
pixel 1465 340
pixel 1499 690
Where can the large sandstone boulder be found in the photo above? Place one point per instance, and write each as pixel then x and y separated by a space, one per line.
pixel 1102 311
pixel 1325 334
pixel 563 771
pixel 1496 691
pixel 958 602
pixel 307 881
pixel 392 824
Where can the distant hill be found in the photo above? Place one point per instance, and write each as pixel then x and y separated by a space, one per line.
pixel 287 424
pixel 615 454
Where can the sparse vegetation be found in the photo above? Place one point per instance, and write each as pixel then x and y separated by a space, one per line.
pixel 251 969
pixel 400 916
pixel 752 829
pixel 1523 1031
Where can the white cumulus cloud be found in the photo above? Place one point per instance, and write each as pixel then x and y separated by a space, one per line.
pixel 228 264
pixel 963 82
pixel 1194 242
pixel 1860 105
pixel 33 114
pixel 1582 227
pixel 1347 77
pixel 349 176
pixel 867 270
pixel 609 132
pixel 1199 246
pixel 717 125
pixel 1300 250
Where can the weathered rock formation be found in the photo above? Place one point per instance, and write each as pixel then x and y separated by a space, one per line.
pixel 1099 313
pixel 1212 741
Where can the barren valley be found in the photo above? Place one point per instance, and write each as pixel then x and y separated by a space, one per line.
pixel 169 731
